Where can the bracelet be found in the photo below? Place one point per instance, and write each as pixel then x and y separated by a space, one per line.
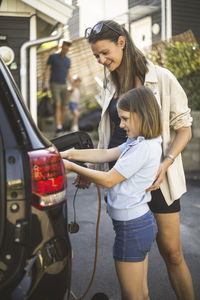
pixel 171 157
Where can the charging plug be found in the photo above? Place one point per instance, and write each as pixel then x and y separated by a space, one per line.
pixel 73 227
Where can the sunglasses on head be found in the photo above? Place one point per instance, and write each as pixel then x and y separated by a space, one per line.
pixel 97 29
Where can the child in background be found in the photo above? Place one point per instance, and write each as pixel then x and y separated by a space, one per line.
pixel 138 160
pixel 73 102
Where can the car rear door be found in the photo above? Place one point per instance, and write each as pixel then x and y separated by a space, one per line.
pixel 14 190
pixel 32 180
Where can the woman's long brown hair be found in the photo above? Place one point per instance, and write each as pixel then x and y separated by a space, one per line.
pixel 134 63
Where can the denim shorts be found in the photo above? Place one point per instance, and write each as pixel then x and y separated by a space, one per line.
pixel 73 106
pixel 134 238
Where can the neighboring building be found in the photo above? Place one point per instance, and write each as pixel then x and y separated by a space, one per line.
pixel 24 25
pixel 74 22
pixel 145 22
pixel 186 15
pixel 148 21
pixel 154 20
pixel 87 13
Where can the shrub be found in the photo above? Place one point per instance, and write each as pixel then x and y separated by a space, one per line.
pixel 183 60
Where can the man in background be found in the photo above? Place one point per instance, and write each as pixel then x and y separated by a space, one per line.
pixel 56 75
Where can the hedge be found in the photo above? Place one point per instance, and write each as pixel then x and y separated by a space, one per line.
pixel 183 60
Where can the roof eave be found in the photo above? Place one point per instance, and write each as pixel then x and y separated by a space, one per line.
pixel 54 9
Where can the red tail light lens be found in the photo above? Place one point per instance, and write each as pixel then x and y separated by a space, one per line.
pixel 48 178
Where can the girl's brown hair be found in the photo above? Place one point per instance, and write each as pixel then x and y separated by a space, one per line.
pixel 143 102
pixel 133 62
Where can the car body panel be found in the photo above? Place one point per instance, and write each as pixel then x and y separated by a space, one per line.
pixel 34 244
pixel 35 248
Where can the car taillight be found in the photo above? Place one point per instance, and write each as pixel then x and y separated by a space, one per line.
pixel 48 178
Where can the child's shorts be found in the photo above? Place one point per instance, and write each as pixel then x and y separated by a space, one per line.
pixel 134 238
pixel 73 106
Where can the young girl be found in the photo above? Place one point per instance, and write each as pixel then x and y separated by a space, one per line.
pixel 137 164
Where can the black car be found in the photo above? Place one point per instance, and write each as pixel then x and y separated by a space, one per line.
pixel 35 250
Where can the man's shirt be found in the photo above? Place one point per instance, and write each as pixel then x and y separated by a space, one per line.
pixel 59 68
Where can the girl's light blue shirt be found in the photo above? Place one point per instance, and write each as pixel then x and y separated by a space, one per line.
pixel 138 163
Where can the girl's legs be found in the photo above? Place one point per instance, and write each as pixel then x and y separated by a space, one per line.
pixel 132 277
pixel 75 120
pixel 169 245
pixel 145 279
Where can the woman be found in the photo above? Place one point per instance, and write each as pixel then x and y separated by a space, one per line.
pixel 128 68
pixel 137 163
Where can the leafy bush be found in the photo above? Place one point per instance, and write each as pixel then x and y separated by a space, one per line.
pixel 89 102
pixel 191 85
pixel 183 60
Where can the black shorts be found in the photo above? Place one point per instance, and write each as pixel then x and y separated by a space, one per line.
pixel 159 205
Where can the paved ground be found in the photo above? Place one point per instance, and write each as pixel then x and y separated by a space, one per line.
pixel 83 244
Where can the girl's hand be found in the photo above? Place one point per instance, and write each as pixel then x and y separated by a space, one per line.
pixel 66 153
pixel 67 165
pixel 81 182
pixel 159 177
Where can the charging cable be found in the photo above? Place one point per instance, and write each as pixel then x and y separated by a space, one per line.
pixel 96 246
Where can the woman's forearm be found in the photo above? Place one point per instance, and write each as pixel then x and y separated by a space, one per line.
pixel 183 135
pixel 181 139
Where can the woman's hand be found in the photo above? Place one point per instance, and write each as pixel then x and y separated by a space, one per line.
pixel 160 175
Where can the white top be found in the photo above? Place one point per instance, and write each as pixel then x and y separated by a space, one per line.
pixel 75 96
pixel 138 163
